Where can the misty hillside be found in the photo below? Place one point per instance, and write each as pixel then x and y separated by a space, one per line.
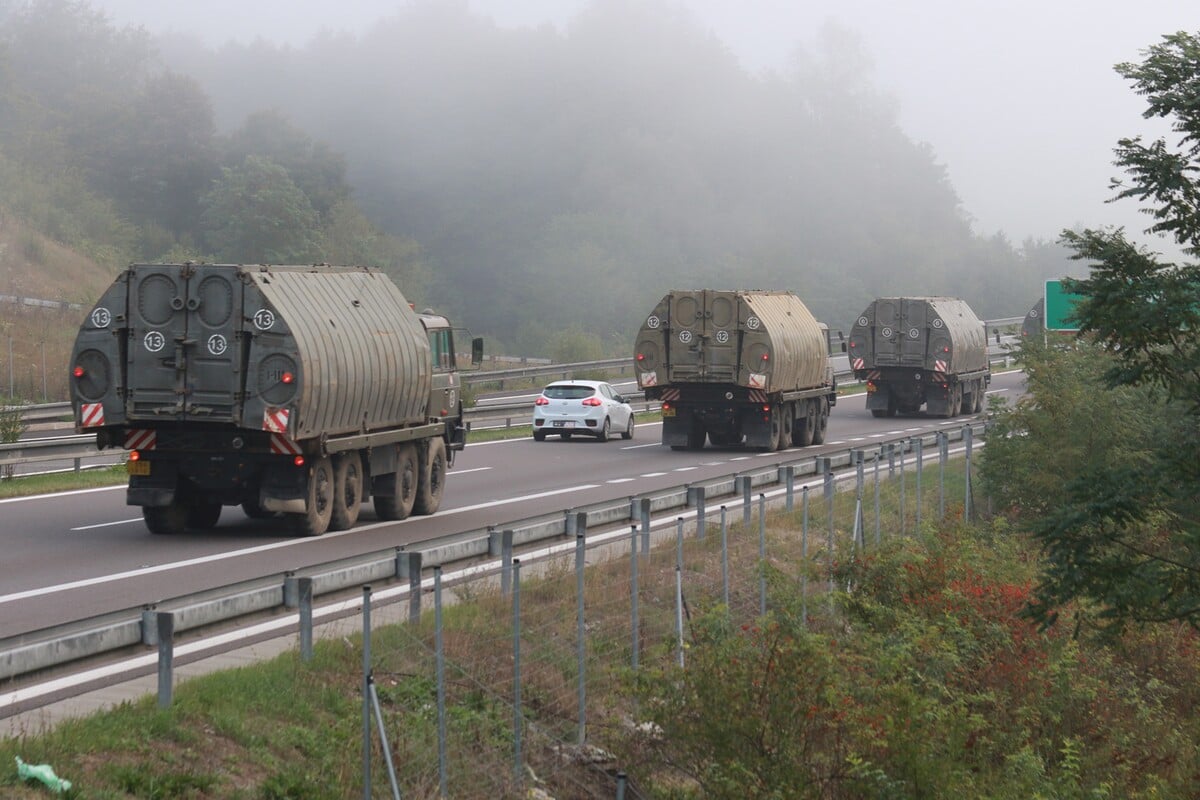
pixel 527 181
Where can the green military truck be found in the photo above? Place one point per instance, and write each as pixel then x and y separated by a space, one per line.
pixel 742 368
pixel 920 351
pixel 296 392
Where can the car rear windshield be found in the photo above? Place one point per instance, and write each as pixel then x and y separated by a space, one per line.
pixel 568 392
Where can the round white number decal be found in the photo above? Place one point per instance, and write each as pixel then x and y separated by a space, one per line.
pixel 154 341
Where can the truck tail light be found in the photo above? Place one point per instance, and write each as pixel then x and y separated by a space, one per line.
pixel 288 378
pixel 78 372
pixel 298 461
pixel 134 455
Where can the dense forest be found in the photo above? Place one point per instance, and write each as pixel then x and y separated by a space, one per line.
pixel 531 182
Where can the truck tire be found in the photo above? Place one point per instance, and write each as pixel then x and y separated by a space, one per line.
pixel 253 510
pixel 203 514
pixel 783 437
pixel 166 520
pixel 822 422
pixel 978 398
pixel 806 427
pixel 696 434
pixel 318 500
pixel 433 478
pixel 399 504
pixel 347 491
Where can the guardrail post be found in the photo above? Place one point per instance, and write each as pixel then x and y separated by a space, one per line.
pixel 645 522
pixel 696 499
pixel 891 451
pixel 789 482
pixel 580 628
pixel 943 443
pixel 409 566
pixel 569 522
pixel 149 626
pixel 298 593
pixel 164 624
pixel 741 485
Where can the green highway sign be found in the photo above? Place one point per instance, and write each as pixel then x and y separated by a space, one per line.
pixel 1059 306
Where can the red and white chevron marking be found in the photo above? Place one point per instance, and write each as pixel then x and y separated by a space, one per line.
pixel 140 439
pixel 859 363
pixel 939 366
pixel 939 377
pixel 757 396
pixel 670 395
pixel 873 375
pixel 91 415
pixel 283 446
pixel 275 420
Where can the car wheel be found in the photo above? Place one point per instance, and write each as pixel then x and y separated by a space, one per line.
pixel 628 434
pixel 604 430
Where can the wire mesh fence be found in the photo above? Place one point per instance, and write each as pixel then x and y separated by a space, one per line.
pixel 518 678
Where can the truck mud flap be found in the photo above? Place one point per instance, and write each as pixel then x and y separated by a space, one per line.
pixel 149 496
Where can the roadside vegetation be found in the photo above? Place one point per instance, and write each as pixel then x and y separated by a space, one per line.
pixel 921 677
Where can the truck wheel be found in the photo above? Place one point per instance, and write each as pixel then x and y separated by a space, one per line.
pixel 807 427
pixel 166 520
pixel 203 514
pixel 696 434
pixel 785 428
pixel 347 491
pixel 399 504
pixel 978 399
pixel 318 501
pixel 433 478
pixel 822 423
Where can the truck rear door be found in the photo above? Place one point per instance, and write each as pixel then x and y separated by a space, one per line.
pixel 184 349
pixel 884 333
pixel 914 321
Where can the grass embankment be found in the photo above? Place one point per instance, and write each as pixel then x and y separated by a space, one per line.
pixel 918 677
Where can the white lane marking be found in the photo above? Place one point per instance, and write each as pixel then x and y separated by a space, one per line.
pixel 452 473
pixel 684 469
pixel 621 480
pixel 740 458
pixel 653 474
pixel 107 524
pixel 8 598
pixel 639 446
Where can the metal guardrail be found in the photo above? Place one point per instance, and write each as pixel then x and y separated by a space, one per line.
pixel 29 652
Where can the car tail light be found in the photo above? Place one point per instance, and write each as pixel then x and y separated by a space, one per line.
pixel 541 401
pixel 592 401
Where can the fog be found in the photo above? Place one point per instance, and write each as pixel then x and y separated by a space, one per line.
pixel 1017 99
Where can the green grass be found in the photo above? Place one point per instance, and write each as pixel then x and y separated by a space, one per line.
pixel 62 481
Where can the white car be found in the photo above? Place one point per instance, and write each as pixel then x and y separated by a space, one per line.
pixel 587 408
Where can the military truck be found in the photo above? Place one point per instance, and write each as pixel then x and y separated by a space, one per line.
pixel 920 351
pixel 296 392
pixel 744 368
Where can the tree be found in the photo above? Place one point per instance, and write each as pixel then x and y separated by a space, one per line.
pixel 255 214
pixel 1123 535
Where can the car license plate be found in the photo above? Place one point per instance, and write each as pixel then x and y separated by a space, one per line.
pixel 137 467
pixel 668 412
pixel 558 423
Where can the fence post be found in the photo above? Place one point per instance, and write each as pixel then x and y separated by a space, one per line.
pixel 164 621
pixel 633 591
pixel 943 442
pixel 903 481
pixel 968 436
pixel 366 690
pixel 762 555
pixel 920 469
pixel 440 661
pixel 827 468
pixel 518 773
pixel 679 591
pixel 724 560
pixel 876 458
pixel 580 641
pixel 804 557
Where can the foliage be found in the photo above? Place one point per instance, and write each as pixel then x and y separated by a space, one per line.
pixel 1126 530
pixel 930 685
pixel 256 214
